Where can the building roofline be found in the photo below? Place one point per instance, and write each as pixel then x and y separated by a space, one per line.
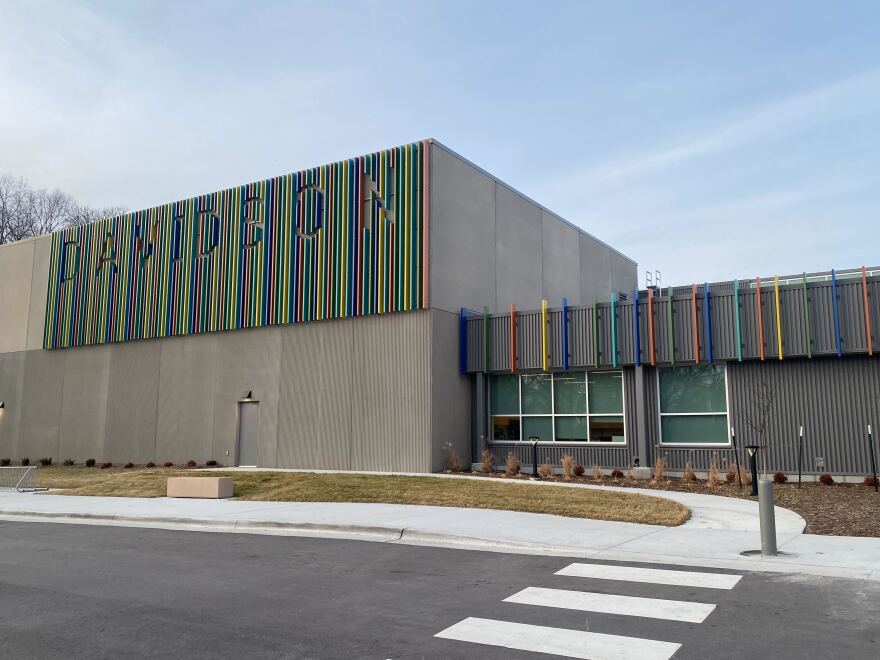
pixel 538 204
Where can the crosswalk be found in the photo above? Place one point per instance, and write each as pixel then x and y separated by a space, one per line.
pixel 589 644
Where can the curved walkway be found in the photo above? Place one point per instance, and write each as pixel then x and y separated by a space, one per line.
pixel 719 530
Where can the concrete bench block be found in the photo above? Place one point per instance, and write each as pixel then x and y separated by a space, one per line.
pixel 642 472
pixel 213 488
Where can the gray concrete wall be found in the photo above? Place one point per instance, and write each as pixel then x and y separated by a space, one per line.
pixel 491 245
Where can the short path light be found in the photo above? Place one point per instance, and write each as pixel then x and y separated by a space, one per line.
pixel 534 440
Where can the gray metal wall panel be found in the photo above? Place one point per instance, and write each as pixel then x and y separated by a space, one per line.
pixel 132 401
pixel 561 262
pixel 12 393
pixel 462 234
pixel 392 400
pixel 315 399
pixel 874 313
pixel 475 343
pixel 499 344
pixel 518 250
pixel 580 337
pixel 185 418
pixel 39 291
pixel 41 406
pixel 528 339
pixel 450 392
pixel 554 339
pixel 247 360
pixel 84 402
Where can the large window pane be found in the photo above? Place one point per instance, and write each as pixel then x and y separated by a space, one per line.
pixel 505 428
pixel 606 392
pixel 693 429
pixel 504 395
pixel 570 392
pixel 536 395
pixel 540 427
pixel 607 429
pixel 692 389
pixel 570 429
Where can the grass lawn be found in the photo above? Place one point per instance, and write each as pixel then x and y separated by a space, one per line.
pixel 314 487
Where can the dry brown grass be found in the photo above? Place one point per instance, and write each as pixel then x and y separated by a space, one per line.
pixel 745 476
pixel 629 471
pixel 453 460
pixel 597 472
pixel 713 472
pixel 481 493
pixel 659 468
pixel 689 474
pixel 514 466
pixel 487 461
pixel 545 471
pixel 567 467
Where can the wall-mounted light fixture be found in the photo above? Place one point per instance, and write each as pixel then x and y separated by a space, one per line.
pixel 248 397
pixel 2 405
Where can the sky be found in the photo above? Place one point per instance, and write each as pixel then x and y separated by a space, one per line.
pixel 705 140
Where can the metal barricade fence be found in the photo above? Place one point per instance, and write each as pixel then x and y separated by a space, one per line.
pixel 22 479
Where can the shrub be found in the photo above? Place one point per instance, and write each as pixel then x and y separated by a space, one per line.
pixel 168 464
pixel 597 472
pixel 579 470
pixel 90 462
pixel 5 462
pixel 689 475
pixel 191 463
pixel 629 471
pixel 545 471
pixel 150 464
pixel 659 468
pixel 871 481
pixel 46 462
pixel 513 465
pixel 68 462
pixel 567 467
pixel 453 460
pixel 210 463
pixel 779 477
pixel 731 473
pixel 745 476
pixel 25 461
pixel 826 479
pixel 617 474
pixel 486 461
pixel 713 471
pixel 104 466
pixel 128 466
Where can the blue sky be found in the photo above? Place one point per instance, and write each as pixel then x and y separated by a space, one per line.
pixel 703 139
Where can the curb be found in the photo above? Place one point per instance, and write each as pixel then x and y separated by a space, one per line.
pixel 407 536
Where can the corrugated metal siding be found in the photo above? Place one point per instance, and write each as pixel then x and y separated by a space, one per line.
pixel 722 310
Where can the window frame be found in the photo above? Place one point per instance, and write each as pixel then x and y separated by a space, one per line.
pixel 553 414
pixel 697 445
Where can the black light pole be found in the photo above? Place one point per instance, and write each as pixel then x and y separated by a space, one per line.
pixel 873 462
pixel 534 442
pixel 753 464
pixel 800 453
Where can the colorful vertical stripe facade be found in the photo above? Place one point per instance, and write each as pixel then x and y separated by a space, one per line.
pixel 341 240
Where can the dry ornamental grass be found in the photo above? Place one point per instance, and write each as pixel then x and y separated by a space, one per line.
pixel 312 487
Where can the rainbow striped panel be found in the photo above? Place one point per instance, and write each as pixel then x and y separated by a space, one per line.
pixel 334 241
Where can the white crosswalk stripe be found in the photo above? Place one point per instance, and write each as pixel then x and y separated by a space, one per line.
pixel 654 608
pixel 558 641
pixel 596 645
pixel 651 575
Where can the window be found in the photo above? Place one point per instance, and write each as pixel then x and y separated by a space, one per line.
pixel 693 405
pixel 568 406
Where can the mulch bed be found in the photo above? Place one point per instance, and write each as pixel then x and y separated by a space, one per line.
pixel 836 510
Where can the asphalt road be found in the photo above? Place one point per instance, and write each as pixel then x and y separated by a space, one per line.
pixel 81 591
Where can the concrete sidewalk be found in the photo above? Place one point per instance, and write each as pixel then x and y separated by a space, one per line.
pixel 720 528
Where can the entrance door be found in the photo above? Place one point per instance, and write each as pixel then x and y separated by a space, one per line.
pixel 248 426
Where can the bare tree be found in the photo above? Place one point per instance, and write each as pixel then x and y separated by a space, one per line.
pixel 760 417
pixel 25 211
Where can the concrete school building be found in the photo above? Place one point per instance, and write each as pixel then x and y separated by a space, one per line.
pixel 310 320
pixel 371 313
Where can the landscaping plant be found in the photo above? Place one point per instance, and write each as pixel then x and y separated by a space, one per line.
pixel 25 461
pixel 191 463
pixel 659 468
pixel 486 461
pixel 567 467
pixel 579 470
pixel 745 475
pixel 689 474
pixel 545 471
pixel 513 465
pixel 5 462
pixel 128 466
pixel 826 479
pixel 150 464
pixel 779 477
pixel 453 460
pixel 713 471
pixel 104 466
pixel 731 473
pixel 617 474
pixel 168 464
pixel 91 462
pixel 871 480
pixel 597 472
pixel 629 471
pixel 46 462
pixel 68 462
